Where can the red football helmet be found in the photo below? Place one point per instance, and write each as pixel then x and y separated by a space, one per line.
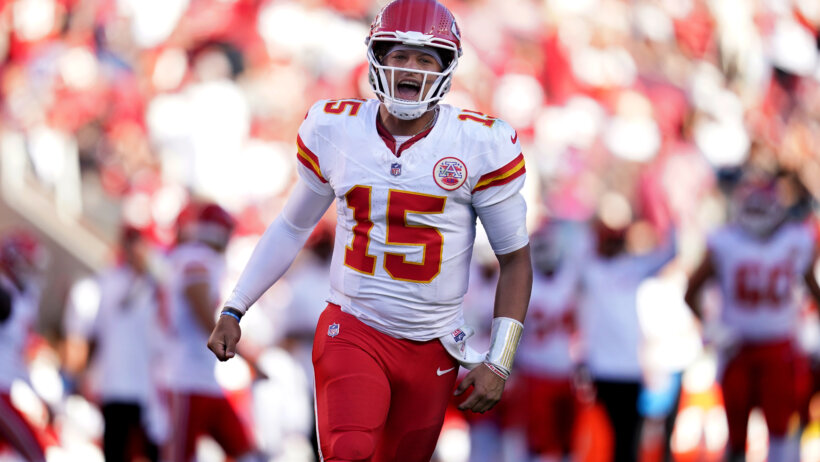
pixel 214 225
pixel 758 208
pixel 415 23
pixel 186 222
pixel 22 257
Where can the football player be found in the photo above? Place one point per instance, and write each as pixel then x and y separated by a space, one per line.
pixel 545 361
pixel 759 260
pixel 409 176
pixel 198 406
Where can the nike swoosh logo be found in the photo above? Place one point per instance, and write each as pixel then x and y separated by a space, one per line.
pixel 440 372
pixel 514 138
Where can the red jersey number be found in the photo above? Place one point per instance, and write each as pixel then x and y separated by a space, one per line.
pixel 399 232
pixel 756 284
pixel 341 106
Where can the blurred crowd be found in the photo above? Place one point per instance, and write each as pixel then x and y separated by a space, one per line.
pixel 145 105
pixel 129 114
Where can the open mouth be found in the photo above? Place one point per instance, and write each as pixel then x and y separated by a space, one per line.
pixel 408 90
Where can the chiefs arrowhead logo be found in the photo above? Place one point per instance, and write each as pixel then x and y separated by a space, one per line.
pixel 514 138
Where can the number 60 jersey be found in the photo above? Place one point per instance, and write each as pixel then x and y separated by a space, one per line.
pixel 406 224
pixel 759 278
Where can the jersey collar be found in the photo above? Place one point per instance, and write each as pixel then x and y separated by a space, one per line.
pixel 390 141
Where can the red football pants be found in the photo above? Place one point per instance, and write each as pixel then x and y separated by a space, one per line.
pixel 773 376
pixel 378 398
pixel 195 415
pixel 553 408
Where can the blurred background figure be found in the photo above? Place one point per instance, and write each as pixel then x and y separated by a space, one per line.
pixel 198 405
pixel 22 262
pixel 609 323
pixel 547 356
pixel 117 340
pixel 759 261
pixel 671 346
pixel 495 435
pixel 307 280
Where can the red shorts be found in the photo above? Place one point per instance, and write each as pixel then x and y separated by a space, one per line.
pixel 553 408
pixel 773 376
pixel 15 431
pixel 193 416
pixel 378 398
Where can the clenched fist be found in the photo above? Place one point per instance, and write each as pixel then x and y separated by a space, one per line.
pixel 224 338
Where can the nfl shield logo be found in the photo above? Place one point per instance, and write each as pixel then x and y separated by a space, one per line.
pixel 458 335
pixel 395 169
pixel 333 330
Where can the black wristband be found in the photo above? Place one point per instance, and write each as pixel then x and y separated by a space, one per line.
pixel 233 311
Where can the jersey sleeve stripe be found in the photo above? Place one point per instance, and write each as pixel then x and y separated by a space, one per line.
pixel 308 159
pixel 503 175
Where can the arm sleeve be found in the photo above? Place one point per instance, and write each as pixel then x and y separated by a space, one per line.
pixel 505 223
pixel 279 245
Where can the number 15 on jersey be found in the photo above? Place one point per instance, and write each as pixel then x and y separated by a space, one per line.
pixel 399 232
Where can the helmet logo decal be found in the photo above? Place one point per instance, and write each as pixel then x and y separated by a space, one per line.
pixel 450 173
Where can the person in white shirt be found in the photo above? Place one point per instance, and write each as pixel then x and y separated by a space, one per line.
pixel 22 261
pixel 410 177
pixel 610 328
pixel 125 319
pixel 759 261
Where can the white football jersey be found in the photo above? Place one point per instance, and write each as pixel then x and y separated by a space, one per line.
pixel 545 344
pixel 190 363
pixel 14 333
pixel 126 318
pixel 406 225
pixel 759 279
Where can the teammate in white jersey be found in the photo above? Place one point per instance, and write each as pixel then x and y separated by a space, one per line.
pixel 496 435
pixel 545 361
pixel 409 177
pixel 21 259
pixel 759 261
pixel 198 405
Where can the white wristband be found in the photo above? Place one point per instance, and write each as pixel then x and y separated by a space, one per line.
pixel 506 333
